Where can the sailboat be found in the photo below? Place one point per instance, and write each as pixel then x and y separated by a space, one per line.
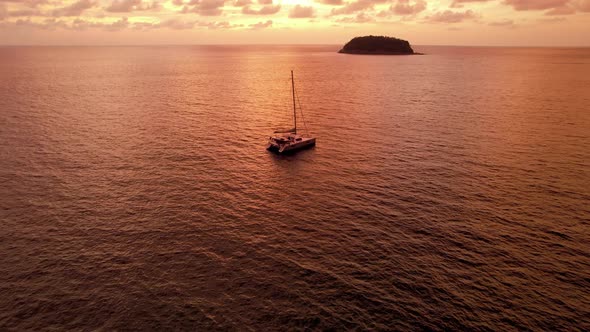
pixel 289 140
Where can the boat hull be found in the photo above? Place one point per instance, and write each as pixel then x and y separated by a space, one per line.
pixel 292 146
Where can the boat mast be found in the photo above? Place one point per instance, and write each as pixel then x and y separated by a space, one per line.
pixel 294 111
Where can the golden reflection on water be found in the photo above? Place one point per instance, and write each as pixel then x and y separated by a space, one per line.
pixel 139 175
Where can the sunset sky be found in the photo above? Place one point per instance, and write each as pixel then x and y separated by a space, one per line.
pixel 439 22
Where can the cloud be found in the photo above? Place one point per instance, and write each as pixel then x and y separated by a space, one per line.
pixel 47 24
pixel 503 23
pixel 30 3
pixel 571 7
pixel 91 14
pixel 75 9
pixel 154 6
pixel 551 20
pixel 356 6
pixel 173 23
pixel 552 7
pixel 242 3
pixel 127 6
pixel 359 18
pixel 77 24
pixel 123 6
pixel 261 25
pixel 460 3
pixel 219 25
pixel 80 24
pixel 265 10
pixel 565 10
pixel 122 23
pixel 176 24
pixel 301 12
pixel 536 4
pixel 204 7
pixel 582 5
pixel 23 12
pixel 331 2
pixel 449 16
pixel 405 7
pixel 144 25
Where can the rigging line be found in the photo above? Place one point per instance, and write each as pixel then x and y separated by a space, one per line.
pixel 301 111
pixel 290 103
pixel 302 116
pixel 287 114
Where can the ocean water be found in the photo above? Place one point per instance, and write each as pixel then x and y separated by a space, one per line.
pixel 449 191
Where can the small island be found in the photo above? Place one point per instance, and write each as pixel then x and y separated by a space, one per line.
pixel 378 45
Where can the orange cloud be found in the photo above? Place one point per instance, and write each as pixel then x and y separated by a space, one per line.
pixel 22 12
pixel 461 3
pixel 356 6
pixel 268 9
pixel 359 18
pixel 75 9
pixel 449 16
pixel 536 4
pixel 3 12
pixel 552 7
pixel 406 7
pixel 331 2
pixel 261 25
pixel 127 6
pixel 30 3
pixel 123 6
pixel 301 12
pixel 47 24
pixel 204 7
pixel 583 5
pixel 176 24
pixel 503 23
pixel 181 16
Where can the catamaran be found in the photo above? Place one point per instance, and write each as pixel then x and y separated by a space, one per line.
pixel 289 140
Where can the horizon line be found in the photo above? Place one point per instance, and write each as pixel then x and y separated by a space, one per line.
pixel 275 44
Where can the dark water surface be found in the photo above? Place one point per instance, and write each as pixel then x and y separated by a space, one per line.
pixel 447 191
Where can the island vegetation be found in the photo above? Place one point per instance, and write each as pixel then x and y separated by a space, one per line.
pixel 379 45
